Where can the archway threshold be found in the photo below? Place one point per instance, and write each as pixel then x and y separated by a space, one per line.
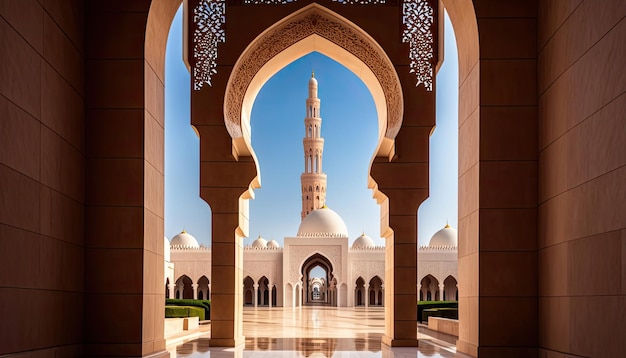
pixel 313 331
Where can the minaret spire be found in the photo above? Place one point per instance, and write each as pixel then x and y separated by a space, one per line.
pixel 313 179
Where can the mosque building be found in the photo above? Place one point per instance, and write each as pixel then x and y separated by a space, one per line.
pixel 289 276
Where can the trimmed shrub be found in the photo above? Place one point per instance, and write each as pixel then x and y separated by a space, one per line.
pixel 422 305
pixel 204 304
pixel 429 312
pixel 452 313
pixel 176 312
pixel 184 311
pixel 446 312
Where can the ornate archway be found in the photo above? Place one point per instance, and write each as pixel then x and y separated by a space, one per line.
pixel 326 291
pixel 313 28
pixel 229 170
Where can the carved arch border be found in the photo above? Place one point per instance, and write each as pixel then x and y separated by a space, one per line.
pixel 313 20
pixel 300 254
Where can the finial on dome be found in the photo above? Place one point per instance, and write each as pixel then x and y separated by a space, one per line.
pixel 184 231
pixel 324 207
pixel 312 73
pixel 447 225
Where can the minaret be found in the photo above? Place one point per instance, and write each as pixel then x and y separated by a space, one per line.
pixel 313 179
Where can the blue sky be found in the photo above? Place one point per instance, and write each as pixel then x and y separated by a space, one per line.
pixel 349 126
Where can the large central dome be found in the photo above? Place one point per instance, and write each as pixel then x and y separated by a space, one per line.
pixel 323 222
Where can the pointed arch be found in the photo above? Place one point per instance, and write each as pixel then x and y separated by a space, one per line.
pixel 204 291
pixel 313 28
pixel 184 287
pixel 248 291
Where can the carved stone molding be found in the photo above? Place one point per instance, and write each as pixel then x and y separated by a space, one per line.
pixel 209 16
pixel 321 23
pixel 297 255
pixel 417 16
pixel 368 270
pixel 258 269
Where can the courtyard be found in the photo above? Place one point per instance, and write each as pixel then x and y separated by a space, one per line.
pixel 316 331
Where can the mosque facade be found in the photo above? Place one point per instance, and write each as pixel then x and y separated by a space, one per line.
pixel 346 275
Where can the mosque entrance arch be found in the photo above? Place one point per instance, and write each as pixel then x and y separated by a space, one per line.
pixel 318 286
pixel 481 87
pixel 396 62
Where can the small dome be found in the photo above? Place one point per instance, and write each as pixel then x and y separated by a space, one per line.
pixel 363 241
pixel 323 222
pixel 166 249
pixel 259 243
pixel 273 244
pixel 184 240
pixel 444 237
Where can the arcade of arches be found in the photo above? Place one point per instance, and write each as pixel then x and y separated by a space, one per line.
pixel 312 278
pixel 541 169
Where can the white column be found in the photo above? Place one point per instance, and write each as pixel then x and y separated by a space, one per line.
pixel 195 290
pixel 367 296
pixel 441 288
pixel 270 295
pixel 255 294
pixel 172 288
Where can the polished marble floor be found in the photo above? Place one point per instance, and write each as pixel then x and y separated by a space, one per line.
pixel 315 332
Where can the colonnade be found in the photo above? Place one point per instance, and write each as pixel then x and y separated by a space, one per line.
pixel 430 289
pixel 370 295
pixel 263 293
pixel 199 291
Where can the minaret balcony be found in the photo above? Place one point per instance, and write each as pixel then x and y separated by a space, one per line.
pixel 313 142
pixel 312 177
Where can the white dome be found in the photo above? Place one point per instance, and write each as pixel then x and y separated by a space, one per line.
pixel 166 250
pixel 362 242
pixel 184 240
pixel 323 222
pixel 259 243
pixel 273 244
pixel 444 237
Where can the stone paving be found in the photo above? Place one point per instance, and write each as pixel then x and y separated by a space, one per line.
pixel 315 332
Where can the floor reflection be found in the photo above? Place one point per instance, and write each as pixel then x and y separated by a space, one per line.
pixel 313 332
pixel 309 346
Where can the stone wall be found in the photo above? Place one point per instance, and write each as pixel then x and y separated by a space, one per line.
pixel 582 195
pixel 42 182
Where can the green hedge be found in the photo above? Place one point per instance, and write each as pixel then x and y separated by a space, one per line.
pixel 423 305
pixel 204 304
pixel 184 311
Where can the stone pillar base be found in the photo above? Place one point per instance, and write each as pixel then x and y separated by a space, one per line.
pixel 467 348
pixel 227 342
pixel 396 342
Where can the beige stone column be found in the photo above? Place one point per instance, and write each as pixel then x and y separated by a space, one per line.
pixel 401 186
pixel 399 211
pixel 225 186
pixel 172 288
